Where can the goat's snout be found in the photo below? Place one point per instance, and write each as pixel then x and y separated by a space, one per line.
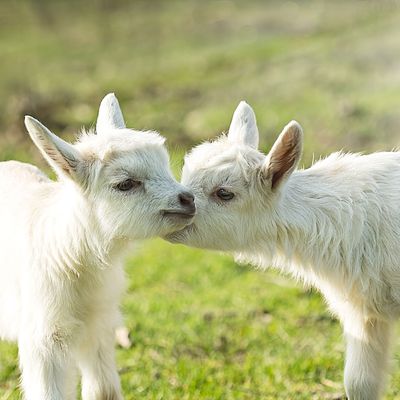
pixel 186 200
pixel 183 206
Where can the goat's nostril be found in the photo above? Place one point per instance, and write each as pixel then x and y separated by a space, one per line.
pixel 186 198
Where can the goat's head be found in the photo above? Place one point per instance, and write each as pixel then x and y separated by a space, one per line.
pixel 236 186
pixel 123 175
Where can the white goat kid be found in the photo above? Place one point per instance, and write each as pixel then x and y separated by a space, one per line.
pixel 60 245
pixel 335 225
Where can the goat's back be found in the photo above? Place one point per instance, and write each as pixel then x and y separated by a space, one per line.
pixel 20 173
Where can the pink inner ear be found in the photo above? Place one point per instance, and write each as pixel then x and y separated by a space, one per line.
pixel 283 157
pixel 55 156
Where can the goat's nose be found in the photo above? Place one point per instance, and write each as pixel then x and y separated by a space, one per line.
pixel 186 198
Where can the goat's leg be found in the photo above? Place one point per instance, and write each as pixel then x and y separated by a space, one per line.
pixel 43 364
pixel 367 356
pixel 100 380
pixel 71 382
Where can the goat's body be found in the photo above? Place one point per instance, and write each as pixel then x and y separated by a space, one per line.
pixel 54 292
pixel 335 226
pixel 19 184
pixel 340 226
pixel 61 243
pixel 33 226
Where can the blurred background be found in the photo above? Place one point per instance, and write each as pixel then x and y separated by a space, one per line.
pixel 203 327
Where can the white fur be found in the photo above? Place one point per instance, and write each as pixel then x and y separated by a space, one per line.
pixel 61 244
pixel 335 225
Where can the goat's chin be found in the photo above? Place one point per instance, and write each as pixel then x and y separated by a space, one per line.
pixel 177 224
pixel 180 236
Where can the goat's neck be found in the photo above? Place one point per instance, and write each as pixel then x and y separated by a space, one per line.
pixel 311 224
pixel 69 226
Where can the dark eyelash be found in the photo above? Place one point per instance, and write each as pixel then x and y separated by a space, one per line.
pixel 127 185
pixel 224 195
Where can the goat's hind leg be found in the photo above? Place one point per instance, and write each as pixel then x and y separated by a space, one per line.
pixel 367 357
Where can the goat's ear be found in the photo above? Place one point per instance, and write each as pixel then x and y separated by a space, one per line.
pixel 284 155
pixel 61 156
pixel 110 115
pixel 243 128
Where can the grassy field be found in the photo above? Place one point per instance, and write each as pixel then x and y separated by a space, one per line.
pixel 202 326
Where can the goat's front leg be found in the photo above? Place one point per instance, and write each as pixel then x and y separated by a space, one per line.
pixel 44 365
pixel 96 359
pixel 367 355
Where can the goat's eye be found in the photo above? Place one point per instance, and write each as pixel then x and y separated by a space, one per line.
pixel 128 184
pixel 224 194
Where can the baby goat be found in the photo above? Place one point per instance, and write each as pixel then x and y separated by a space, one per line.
pixel 60 245
pixel 335 225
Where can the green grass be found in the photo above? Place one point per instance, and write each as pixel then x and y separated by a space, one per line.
pixel 221 331
pixel 202 326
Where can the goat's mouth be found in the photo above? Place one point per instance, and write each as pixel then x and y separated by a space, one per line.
pixel 179 214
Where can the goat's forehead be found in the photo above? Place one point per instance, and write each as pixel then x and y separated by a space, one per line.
pixel 205 153
pixel 221 155
pixel 122 143
pixel 149 159
pixel 231 166
pixel 140 163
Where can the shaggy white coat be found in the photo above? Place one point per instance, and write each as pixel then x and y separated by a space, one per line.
pixel 60 245
pixel 335 225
